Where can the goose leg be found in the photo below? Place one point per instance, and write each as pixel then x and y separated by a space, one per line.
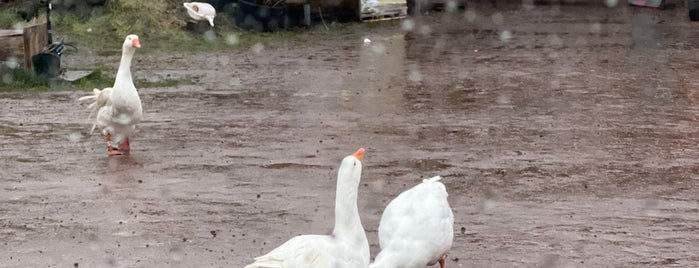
pixel 111 150
pixel 126 146
pixel 441 263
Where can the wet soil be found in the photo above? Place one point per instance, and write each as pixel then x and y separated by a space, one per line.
pixel 566 136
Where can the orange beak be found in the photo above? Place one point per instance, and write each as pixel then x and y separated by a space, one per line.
pixel 359 154
pixel 135 43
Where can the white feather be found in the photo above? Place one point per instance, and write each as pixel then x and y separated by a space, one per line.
pixel 416 228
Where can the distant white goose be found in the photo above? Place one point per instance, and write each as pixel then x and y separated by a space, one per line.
pixel 346 247
pixel 201 11
pixel 416 228
pixel 117 109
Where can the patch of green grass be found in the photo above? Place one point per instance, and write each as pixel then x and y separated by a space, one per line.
pixel 19 79
pixel 23 80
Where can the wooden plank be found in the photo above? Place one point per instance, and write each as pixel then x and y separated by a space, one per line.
pixel 12 46
pixel 35 40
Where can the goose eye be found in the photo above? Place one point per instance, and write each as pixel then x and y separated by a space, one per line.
pixel 355 164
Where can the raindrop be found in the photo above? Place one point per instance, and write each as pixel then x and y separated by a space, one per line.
pixel 408 25
pixel 596 27
pixel 89 30
pixel 556 41
pixel 209 36
pixel 74 137
pixel 378 48
pixel 498 19
pixel 488 204
pixel 234 81
pixel 425 30
pixel 367 41
pixel 176 254
pixel 505 36
pixel 503 100
pixel 258 48
pixel 12 62
pixel 451 6
pixel 7 79
pixel 611 3
pixel 470 15
pixel 232 39
pixel 414 73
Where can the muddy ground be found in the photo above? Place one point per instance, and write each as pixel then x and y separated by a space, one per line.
pixel 566 136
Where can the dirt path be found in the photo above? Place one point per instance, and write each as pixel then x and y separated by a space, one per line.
pixel 566 137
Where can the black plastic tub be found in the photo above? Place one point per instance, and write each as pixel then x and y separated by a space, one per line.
pixel 261 18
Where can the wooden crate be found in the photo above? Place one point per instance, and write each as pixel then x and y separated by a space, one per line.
pixel 23 44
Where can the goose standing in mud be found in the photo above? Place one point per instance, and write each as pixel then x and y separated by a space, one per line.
pixel 117 109
pixel 416 228
pixel 346 247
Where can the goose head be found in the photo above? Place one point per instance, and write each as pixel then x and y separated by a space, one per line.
pixel 201 11
pixel 131 43
pixel 351 168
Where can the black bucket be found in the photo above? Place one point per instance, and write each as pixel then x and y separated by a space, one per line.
pixel 261 18
pixel 48 64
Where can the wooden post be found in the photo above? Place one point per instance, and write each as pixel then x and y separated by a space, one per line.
pixel 34 41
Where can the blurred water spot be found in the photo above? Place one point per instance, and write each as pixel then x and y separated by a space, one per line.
pixel 7 79
pixel 223 61
pixel 74 137
pixel 489 204
pixel 111 261
pixel 378 185
pixel 611 3
pixel 89 30
pixel 451 6
pixel 232 39
pixel 408 25
pixel 235 81
pixel 414 73
pixel 649 206
pixel 470 15
pixel 425 30
pixel 505 36
pixel 367 41
pixel 176 254
pixel 549 260
pixel 503 99
pixel 12 62
pixel 257 48
pixel 209 36
pixel 528 4
pixel 498 19
pixel 596 27
pixel 556 41
pixel 378 48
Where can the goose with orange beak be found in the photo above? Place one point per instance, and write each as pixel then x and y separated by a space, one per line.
pixel 346 247
pixel 117 109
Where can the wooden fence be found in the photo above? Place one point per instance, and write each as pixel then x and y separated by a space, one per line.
pixel 23 44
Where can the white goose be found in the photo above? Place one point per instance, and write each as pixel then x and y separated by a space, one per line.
pixel 416 228
pixel 346 247
pixel 118 108
pixel 201 11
